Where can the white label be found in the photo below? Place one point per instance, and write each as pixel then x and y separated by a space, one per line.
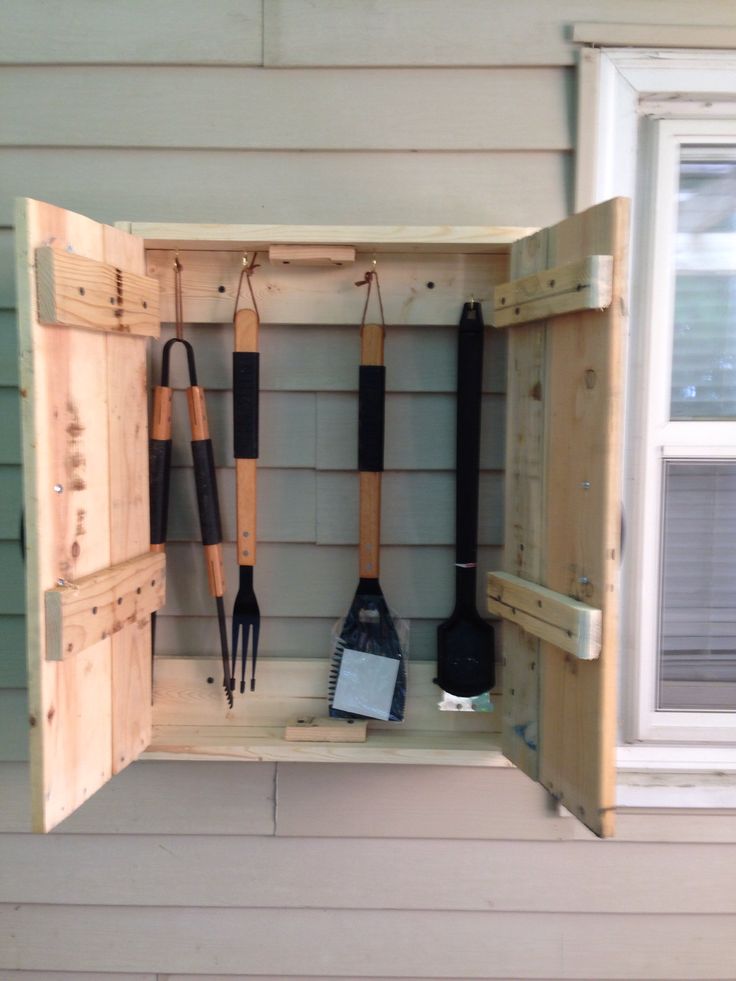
pixel 366 683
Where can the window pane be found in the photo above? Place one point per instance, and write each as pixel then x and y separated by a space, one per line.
pixel 697 643
pixel 704 343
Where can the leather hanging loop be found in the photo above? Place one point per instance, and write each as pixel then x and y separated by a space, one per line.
pixel 370 277
pixel 246 272
pixel 178 302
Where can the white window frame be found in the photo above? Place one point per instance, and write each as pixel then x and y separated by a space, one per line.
pixel 619 89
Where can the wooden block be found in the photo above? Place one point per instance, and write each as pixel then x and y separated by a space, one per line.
pixel 74 291
pixel 97 606
pixel 565 622
pixel 312 255
pixel 326 730
pixel 583 285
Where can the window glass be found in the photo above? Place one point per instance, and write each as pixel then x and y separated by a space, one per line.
pixel 697 636
pixel 704 341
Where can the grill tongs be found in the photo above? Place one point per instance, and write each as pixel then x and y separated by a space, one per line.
pixel 205 481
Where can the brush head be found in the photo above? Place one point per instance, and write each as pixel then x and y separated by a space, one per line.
pixel 369 627
pixel 465 655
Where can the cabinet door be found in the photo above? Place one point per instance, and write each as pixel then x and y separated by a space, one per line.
pixel 563 513
pixel 85 310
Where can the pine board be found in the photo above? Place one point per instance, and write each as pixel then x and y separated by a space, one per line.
pixel 332 942
pixel 176 107
pixel 290 294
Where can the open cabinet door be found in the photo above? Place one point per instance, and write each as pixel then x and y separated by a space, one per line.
pixel 563 513
pixel 85 311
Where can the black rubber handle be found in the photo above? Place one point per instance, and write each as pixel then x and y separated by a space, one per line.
pixel 469 385
pixel 245 404
pixel 206 483
pixel 159 470
pixel 371 412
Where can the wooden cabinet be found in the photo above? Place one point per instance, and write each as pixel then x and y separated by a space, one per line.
pixel 90 299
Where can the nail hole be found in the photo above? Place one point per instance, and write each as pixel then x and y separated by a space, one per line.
pixel 120 600
pixel 220 289
pixel 430 285
pixel 145 304
pixel 153 582
pixel 112 300
pixel 503 301
pixel 81 290
pixel 138 590
pixel 210 681
pixel 551 282
pixel 94 610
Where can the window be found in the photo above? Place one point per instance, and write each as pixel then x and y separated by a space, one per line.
pixel 662 129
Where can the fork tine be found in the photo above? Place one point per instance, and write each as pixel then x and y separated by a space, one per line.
pixel 237 624
pixel 256 631
pixel 245 624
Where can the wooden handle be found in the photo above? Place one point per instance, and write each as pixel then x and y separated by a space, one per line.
pixel 369 554
pixel 198 425
pixel 371 344
pixel 245 487
pixel 161 419
pixel 246 331
pixel 215 570
pixel 246 342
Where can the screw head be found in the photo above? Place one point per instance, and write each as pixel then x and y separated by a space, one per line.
pixel 58 489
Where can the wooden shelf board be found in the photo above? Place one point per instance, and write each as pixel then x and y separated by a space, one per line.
pixel 267 744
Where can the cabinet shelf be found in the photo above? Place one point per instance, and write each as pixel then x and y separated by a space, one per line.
pixel 191 719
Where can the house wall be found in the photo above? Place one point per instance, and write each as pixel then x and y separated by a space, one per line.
pixel 390 111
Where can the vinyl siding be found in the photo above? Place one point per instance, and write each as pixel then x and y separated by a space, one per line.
pixel 333 112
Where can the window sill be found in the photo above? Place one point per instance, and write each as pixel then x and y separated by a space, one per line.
pixel 679 777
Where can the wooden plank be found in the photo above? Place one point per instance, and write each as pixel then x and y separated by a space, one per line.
pixel 583 521
pixel 175 32
pixel 82 613
pixel 438 112
pixel 554 617
pixel 312 255
pixel 129 507
pixel 293 295
pixel 74 291
pixel 293 186
pixel 378 239
pixel 156 870
pixel 418 748
pixel 429 33
pixel 78 390
pixel 64 375
pixel 583 285
pixel 525 489
pixel 288 688
pixel 311 729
